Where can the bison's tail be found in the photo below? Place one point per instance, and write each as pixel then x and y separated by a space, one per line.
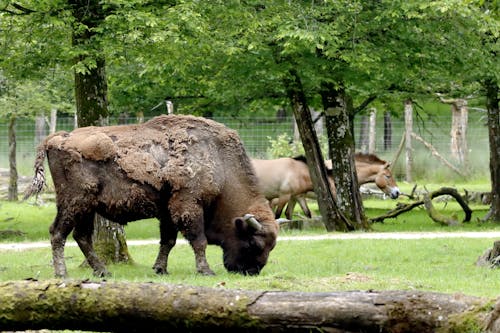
pixel 38 181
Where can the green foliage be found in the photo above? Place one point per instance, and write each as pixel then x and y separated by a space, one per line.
pixel 29 98
pixel 284 146
pixel 219 57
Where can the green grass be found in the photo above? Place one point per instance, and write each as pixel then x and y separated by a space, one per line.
pixel 441 265
pixel 34 220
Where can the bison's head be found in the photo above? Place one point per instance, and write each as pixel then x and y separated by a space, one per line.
pixel 248 251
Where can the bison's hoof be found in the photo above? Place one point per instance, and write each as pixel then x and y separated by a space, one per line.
pixel 160 270
pixel 207 272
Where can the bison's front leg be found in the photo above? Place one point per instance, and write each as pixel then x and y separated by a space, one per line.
pixel 187 216
pixel 199 246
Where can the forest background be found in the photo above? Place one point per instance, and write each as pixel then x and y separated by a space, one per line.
pixel 250 58
pixel 253 58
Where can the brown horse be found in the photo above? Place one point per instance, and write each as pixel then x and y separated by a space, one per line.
pixel 283 178
pixel 369 169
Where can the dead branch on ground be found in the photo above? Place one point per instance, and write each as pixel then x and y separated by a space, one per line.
pixel 401 208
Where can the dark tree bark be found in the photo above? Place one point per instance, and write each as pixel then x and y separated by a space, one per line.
pixel 337 106
pixel 92 110
pixel 155 307
pixel 332 217
pixel 492 104
pixel 13 176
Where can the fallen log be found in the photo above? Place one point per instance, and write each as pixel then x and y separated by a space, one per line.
pixel 155 307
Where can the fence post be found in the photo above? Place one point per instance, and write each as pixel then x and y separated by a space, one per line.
pixel 408 108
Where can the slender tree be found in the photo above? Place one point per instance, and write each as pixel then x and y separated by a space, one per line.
pixel 337 108
pixel 492 94
pixel 91 96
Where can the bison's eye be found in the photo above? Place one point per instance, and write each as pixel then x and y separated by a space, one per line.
pixel 257 243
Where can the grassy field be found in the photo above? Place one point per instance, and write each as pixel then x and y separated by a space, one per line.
pixel 442 265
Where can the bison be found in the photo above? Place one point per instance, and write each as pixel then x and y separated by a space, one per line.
pixel 191 173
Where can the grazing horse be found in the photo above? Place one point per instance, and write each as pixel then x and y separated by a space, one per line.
pixel 283 178
pixel 369 169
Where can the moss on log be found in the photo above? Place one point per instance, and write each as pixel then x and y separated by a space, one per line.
pixel 134 307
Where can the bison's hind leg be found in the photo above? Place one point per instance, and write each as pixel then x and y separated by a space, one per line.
pixel 59 231
pixel 83 237
pixel 168 238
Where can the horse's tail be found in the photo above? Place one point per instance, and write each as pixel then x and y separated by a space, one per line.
pixel 38 181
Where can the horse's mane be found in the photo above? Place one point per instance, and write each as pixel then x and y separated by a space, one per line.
pixel 300 158
pixel 303 159
pixel 368 158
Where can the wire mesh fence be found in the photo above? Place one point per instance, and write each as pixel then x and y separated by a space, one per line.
pixel 262 137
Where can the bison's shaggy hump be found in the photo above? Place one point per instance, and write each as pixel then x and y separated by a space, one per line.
pixel 154 152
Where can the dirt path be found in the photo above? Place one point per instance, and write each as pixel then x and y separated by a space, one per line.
pixel 340 236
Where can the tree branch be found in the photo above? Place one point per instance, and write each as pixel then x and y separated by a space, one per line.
pixel 21 10
pixel 365 103
pixel 401 208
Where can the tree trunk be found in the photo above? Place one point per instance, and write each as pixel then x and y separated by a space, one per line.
pixel 53 120
pixel 341 149
pixel 109 241
pixel 408 139
pixel 92 109
pixel 491 257
pixel 372 131
pixel 458 132
pixel 492 104
pixel 387 131
pixel 13 176
pixel 158 307
pixel 330 214
pixel 39 129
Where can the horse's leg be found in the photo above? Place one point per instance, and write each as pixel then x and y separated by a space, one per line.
pixel 168 237
pixel 301 199
pixel 290 207
pixel 83 237
pixel 281 202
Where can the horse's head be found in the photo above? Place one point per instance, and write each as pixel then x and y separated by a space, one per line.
pixel 385 181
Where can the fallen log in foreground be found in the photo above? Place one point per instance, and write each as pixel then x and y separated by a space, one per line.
pixel 154 307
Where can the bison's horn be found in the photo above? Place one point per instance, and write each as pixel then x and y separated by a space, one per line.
pixel 282 220
pixel 252 221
